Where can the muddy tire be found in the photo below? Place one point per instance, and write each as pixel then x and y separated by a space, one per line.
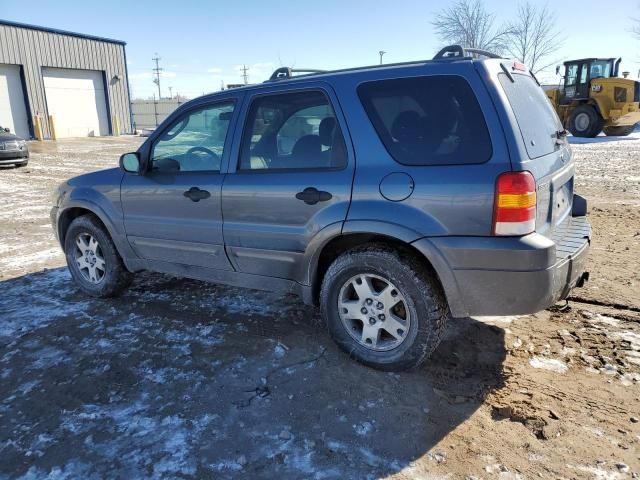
pixel 619 131
pixel 383 308
pixel 585 121
pixel 92 258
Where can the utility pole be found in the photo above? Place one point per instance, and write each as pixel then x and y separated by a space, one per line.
pixel 170 92
pixel 156 72
pixel 381 52
pixel 245 75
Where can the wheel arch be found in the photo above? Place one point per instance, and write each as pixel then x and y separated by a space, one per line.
pixel 71 212
pixel 423 251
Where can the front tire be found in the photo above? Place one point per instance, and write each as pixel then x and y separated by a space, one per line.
pixel 383 308
pixel 585 121
pixel 92 258
pixel 619 131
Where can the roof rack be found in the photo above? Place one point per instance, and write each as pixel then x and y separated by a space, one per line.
pixel 457 51
pixel 287 72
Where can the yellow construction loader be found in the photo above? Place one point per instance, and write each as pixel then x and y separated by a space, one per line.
pixel 592 98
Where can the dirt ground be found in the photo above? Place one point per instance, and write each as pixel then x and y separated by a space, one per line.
pixel 183 379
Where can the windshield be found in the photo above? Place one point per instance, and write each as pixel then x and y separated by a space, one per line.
pixel 600 68
pixel 538 121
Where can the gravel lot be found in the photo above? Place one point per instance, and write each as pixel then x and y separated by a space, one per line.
pixel 183 379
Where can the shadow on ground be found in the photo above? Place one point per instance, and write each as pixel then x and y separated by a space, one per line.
pixel 179 378
pixel 600 139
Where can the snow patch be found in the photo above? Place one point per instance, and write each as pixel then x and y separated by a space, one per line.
pixel 550 364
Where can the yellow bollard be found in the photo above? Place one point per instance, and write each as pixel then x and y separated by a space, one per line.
pixel 52 128
pixel 37 127
pixel 115 126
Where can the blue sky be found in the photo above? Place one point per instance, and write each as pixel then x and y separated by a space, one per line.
pixel 202 43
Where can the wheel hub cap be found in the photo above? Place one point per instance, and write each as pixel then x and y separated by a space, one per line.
pixel 89 258
pixel 374 312
pixel 582 121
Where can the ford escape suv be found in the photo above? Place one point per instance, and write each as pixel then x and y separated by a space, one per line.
pixel 395 197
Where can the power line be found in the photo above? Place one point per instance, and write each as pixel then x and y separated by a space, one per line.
pixel 245 75
pixel 156 72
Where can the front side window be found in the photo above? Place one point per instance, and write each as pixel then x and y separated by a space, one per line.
pixel 434 120
pixel 292 131
pixel 195 142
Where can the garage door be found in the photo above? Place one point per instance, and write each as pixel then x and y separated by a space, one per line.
pixel 76 99
pixel 13 112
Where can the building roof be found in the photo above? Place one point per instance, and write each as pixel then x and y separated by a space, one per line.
pixel 59 32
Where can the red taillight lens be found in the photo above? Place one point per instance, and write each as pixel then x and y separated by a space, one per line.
pixel 515 204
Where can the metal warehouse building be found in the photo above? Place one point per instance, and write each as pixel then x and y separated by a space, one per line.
pixel 70 84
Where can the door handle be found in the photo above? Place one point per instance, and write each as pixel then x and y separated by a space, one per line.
pixel 195 194
pixel 311 196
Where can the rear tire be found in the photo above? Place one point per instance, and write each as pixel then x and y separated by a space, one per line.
pixel 403 322
pixel 92 258
pixel 619 131
pixel 585 121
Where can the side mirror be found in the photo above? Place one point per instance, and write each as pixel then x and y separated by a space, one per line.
pixel 130 162
pixel 557 69
pixel 7 130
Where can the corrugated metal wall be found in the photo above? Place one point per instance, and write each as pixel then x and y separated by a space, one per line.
pixel 33 49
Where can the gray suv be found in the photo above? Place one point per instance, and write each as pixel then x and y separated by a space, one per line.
pixel 395 197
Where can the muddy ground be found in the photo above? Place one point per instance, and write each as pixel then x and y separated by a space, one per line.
pixel 182 379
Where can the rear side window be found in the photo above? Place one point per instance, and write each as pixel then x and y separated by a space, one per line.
pixel 434 120
pixel 292 131
pixel 536 117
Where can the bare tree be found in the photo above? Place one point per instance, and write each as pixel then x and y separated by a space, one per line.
pixel 533 37
pixel 635 28
pixel 469 24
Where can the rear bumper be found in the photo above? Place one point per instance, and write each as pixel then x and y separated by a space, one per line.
pixel 512 275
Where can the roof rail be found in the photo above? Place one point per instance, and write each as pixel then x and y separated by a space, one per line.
pixel 457 51
pixel 287 72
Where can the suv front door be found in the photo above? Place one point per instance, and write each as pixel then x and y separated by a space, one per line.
pixel 172 212
pixel 292 179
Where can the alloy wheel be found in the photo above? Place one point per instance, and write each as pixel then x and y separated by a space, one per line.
pixel 89 258
pixel 374 312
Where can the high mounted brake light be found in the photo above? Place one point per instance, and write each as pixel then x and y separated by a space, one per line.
pixel 519 66
pixel 515 204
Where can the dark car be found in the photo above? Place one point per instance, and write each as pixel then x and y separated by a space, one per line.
pixel 395 197
pixel 13 149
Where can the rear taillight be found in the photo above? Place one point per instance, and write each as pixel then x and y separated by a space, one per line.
pixel 515 204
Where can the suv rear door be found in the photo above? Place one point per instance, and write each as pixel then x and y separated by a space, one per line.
pixel 290 178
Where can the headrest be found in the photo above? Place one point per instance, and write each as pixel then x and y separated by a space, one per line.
pixel 327 126
pixel 406 126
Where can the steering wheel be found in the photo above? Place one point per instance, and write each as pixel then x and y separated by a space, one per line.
pixel 213 160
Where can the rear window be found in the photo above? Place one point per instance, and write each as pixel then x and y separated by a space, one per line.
pixel 434 120
pixel 536 117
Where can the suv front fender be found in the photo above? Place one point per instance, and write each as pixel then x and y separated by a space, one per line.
pixel 90 201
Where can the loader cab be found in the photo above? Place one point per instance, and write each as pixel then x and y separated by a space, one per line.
pixel 579 73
